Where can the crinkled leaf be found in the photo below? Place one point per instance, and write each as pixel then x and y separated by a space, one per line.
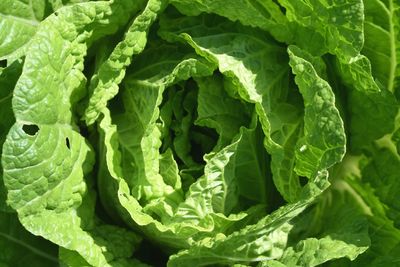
pixel 44 157
pixel 19 21
pixel 340 228
pixel 138 86
pixel 105 83
pixel 320 27
pixel 263 14
pixel 372 108
pixel 265 240
pixel 254 66
pixel 324 141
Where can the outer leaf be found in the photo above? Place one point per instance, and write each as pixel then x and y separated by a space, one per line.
pixel 317 26
pixel 19 21
pixel 324 140
pixel 327 26
pixel 8 79
pixel 265 240
pixel 19 247
pixel 263 14
pixel 337 226
pixel 44 158
pixel 373 109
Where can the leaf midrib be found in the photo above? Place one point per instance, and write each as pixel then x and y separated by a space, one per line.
pixel 393 58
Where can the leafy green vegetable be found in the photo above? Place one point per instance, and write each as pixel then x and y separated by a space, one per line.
pixel 199 133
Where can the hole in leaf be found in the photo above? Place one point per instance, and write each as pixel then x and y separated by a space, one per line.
pixel 67 143
pixel 30 129
pixel 3 63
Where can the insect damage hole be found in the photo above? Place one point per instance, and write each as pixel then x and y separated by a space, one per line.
pixel 30 129
pixel 67 143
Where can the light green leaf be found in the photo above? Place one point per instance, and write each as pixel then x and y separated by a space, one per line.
pixel 152 73
pixel 316 26
pixel 265 240
pixel 19 21
pixel 335 227
pixel 104 84
pixel 324 141
pixel 45 178
pixel 263 14
pixel 327 26
pixel 139 132
pixel 8 79
pixel 218 190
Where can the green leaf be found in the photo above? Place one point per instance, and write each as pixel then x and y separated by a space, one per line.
pixel 239 60
pixel 152 73
pixel 218 190
pixel 265 240
pixel 263 14
pixel 104 84
pixel 335 227
pixel 382 41
pixel 45 178
pixel 8 79
pixel 320 26
pixel 139 131
pixel 19 21
pixel 324 141
pixel 372 108
pixel 316 26
pixel 256 71
pixel 379 172
pixel 217 110
pixel 385 237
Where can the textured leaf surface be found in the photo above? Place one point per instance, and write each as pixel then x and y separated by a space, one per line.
pixel 105 83
pixel 324 139
pixel 19 21
pixel 262 241
pixel 382 41
pixel 44 158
